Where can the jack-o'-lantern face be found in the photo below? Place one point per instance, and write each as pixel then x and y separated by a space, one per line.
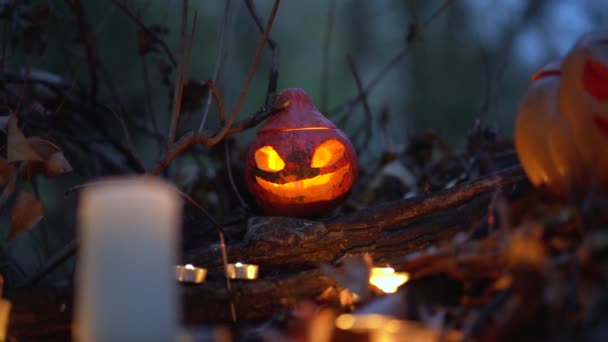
pixel 300 164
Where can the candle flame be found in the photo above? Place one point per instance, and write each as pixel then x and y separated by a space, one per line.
pixel 387 280
pixel 238 264
pixel 252 272
pixel 189 267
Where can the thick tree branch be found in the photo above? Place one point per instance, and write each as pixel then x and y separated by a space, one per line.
pixel 398 227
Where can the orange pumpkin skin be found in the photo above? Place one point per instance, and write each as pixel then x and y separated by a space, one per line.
pixel 543 138
pixel 300 164
pixel 583 98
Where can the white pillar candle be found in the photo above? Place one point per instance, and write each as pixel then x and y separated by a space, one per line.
pixel 129 233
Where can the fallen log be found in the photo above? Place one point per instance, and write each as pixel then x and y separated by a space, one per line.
pixel 401 227
pixel 288 251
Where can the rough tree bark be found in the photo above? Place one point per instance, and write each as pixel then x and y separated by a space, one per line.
pixel 288 251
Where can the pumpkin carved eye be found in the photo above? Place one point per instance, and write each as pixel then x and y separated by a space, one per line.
pixel 327 153
pixel 267 159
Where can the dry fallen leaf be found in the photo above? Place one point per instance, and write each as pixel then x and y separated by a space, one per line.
pixel 353 275
pixel 18 147
pixel 52 162
pixel 26 212
pixel 56 164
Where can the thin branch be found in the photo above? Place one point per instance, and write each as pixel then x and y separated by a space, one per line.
pixel 144 63
pixel 444 6
pixel 235 189
pixel 218 62
pixel 213 139
pixel 274 62
pixel 123 7
pixel 218 101
pixel 227 277
pixel 326 55
pixel 179 77
pixel 368 111
pixel 384 71
pixel 55 261
pixel 191 139
pixel 87 39
pixel 374 82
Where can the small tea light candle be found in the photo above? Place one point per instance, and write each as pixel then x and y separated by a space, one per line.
pixel 242 271
pixel 128 229
pixel 386 279
pixel 190 274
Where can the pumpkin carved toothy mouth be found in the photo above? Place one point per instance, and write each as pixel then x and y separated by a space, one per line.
pixel 311 189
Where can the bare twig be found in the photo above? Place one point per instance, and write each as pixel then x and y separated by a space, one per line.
pixel 179 76
pixel 210 140
pixel 235 188
pixel 326 55
pixel 228 284
pixel 274 62
pixel 191 139
pixel 123 7
pixel 55 261
pixel 384 71
pixel 150 111
pixel 444 6
pixel 218 62
pixel 129 141
pixel 87 39
pixel 368 111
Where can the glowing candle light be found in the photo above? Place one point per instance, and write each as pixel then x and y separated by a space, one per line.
pixel 242 271
pixel 386 279
pixel 128 231
pixel 190 274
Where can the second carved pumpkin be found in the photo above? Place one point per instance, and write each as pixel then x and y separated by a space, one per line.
pixel 544 140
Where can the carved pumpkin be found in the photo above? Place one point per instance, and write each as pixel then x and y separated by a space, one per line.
pixel 543 138
pixel 300 164
pixel 583 98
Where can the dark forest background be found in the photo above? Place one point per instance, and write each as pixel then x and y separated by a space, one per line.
pixel 432 65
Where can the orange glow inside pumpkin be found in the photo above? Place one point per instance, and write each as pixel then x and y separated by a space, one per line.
pixel 268 159
pixel 318 188
pixel 304 129
pixel 310 190
pixel 327 153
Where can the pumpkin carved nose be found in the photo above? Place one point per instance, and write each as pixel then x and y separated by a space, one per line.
pixel 294 171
